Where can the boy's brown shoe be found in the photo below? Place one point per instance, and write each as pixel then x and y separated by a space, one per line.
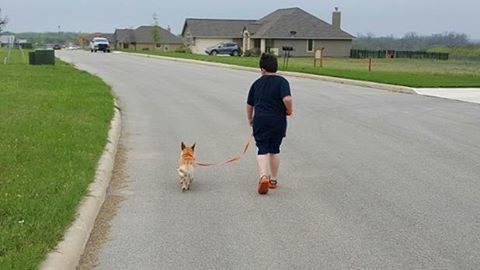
pixel 263 185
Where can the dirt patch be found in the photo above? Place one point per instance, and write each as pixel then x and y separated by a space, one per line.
pixel 100 232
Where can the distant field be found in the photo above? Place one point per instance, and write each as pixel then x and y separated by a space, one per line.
pixel 407 72
pixel 53 128
pixel 466 52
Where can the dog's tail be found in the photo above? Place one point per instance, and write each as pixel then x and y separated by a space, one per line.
pixel 181 172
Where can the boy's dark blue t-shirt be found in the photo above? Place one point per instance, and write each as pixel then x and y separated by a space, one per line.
pixel 266 96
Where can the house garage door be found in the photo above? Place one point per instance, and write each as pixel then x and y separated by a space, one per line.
pixel 202 43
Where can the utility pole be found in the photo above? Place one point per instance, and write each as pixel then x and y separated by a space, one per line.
pixel 59 36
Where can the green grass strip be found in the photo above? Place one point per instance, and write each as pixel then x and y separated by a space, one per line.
pixel 406 72
pixel 54 122
pixel 411 79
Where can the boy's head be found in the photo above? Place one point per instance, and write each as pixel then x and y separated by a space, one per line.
pixel 268 62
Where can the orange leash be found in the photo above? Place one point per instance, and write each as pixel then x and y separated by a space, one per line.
pixel 231 160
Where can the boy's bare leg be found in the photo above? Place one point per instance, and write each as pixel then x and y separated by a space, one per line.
pixel 274 160
pixel 263 161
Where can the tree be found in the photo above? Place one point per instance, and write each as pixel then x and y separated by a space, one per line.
pixel 132 40
pixel 3 21
pixel 155 31
pixel 410 41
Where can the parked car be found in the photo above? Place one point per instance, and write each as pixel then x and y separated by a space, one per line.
pixel 57 47
pixel 224 48
pixel 99 44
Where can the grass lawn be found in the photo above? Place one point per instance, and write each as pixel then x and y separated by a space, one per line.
pixel 53 128
pixel 407 72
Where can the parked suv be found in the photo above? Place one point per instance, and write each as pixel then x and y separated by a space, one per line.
pixel 99 44
pixel 224 48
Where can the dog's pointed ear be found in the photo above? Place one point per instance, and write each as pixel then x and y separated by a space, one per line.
pixel 193 146
pixel 182 146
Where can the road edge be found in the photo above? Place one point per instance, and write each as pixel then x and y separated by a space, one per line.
pixel 379 86
pixel 68 252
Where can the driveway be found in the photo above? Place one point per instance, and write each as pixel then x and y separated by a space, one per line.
pixel 369 179
pixel 461 94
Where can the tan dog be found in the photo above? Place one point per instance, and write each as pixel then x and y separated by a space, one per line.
pixel 186 162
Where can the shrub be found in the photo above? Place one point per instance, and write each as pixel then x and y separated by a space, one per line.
pixel 183 49
pixel 252 53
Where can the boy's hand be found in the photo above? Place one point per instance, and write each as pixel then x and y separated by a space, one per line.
pixel 288 102
pixel 250 114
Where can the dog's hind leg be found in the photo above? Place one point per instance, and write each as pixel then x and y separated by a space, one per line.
pixel 183 183
pixel 190 180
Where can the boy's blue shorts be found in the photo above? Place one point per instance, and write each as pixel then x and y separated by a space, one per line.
pixel 269 146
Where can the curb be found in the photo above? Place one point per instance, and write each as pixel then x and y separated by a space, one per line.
pixel 68 252
pixel 379 86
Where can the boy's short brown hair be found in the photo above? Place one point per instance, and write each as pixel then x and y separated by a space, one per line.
pixel 269 62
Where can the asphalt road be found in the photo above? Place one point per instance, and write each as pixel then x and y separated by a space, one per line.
pixel 369 179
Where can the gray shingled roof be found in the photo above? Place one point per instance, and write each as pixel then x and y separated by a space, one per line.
pixel 216 28
pixel 143 34
pixel 122 35
pixel 278 24
pixel 253 27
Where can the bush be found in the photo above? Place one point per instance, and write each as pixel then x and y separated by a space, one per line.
pixel 26 46
pixel 252 53
pixel 183 49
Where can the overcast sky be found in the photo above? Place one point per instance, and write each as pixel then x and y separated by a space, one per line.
pixel 380 17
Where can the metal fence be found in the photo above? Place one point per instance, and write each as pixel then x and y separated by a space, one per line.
pixel 359 54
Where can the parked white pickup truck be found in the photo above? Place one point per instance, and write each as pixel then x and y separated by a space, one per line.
pixel 99 44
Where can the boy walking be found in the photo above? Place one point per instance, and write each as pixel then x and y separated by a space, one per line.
pixel 268 104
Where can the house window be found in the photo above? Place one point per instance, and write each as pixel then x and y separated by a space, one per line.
pixel 125 45
pixel 310 44
pixel 158 45
pixel 268 44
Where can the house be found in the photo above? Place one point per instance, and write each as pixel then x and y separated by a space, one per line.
pixel 202 33
pixel 23 43
pixel 7 40
pixel 284 27
pixel 142 39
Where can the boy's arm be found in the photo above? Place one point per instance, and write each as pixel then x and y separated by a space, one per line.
pixel 250 114
pixel 288 102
